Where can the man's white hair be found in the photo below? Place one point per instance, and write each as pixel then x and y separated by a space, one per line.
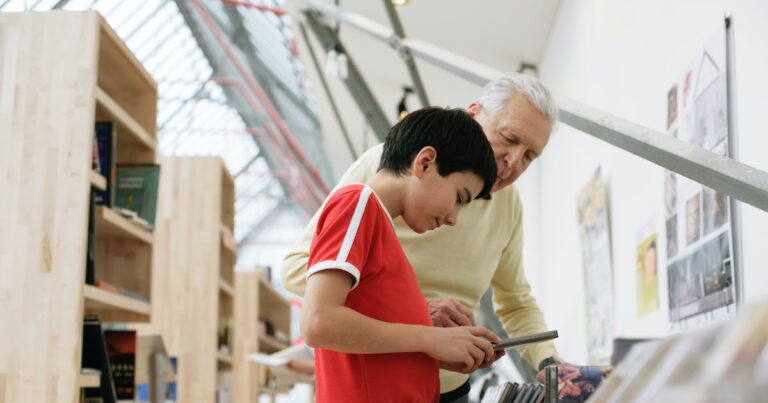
pixel 497 93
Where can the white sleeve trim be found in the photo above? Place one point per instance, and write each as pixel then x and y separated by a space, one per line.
pixel 336 265
pixel 354 224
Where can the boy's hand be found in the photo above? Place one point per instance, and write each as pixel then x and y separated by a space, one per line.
pixel 465 348
pixel 460 367
pixel 448 312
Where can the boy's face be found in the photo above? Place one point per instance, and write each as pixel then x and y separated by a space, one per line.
pixel 434 200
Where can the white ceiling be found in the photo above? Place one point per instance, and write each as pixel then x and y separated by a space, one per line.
pixel 498 33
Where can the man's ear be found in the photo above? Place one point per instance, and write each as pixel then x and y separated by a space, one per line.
pixel 424 161
pixel 474 109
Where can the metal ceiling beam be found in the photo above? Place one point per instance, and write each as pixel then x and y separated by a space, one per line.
pixel 355 83
pixel 743 182
pixel 405 53
pixel 328 92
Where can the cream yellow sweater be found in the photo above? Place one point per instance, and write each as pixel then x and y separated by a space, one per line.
pixel 484 247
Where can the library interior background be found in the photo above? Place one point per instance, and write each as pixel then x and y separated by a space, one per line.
pixel 159 159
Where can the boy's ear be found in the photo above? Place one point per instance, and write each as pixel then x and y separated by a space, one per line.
pixel 424 161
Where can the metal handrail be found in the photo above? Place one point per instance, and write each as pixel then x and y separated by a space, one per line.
pixel 738 180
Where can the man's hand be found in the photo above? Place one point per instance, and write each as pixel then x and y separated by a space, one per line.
pixel 541 375
pixel 448 312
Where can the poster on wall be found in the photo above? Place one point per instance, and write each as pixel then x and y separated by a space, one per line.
pixel 595 235
pixel 646 273
pixel 699 245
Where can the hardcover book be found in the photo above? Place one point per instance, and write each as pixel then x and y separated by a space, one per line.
pixel 137 190
pixel 94 355
pixel 121 349
pixel 106 143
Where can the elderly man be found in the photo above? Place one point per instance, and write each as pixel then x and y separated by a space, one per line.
pixel 454 266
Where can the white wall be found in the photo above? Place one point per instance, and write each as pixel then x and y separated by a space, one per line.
pixel 622 57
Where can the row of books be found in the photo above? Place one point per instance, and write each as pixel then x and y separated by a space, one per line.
pixel 727 362
pixel 514 393
pixel 562 384
pixel 130 187
pixel 123 361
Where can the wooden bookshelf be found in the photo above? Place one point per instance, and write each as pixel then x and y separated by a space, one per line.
pixel 110 224
pixel 97 181
pixel 60 71
pixel 256 300
pixel 194 281
pixel 88 380
pixel 226 288
pixel 224 359
pixel 113 307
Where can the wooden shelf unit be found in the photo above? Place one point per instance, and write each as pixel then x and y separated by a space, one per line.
pixel 256 299
pixel 61 72
pixel 194 279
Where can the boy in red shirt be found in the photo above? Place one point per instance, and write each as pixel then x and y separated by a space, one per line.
pixel 363 310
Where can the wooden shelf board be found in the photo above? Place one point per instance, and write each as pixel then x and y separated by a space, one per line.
pixel 110 224
pixel 226 287
pixel 272 343
pixel 227 239
pixel 98 299
pixel 126 54
pixel 224 358
pixel 272 293
pixel 132 132
pixel 98 181
pixel 88 380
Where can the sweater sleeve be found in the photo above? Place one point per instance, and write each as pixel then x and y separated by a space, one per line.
pixel 512 299
pixel 294 268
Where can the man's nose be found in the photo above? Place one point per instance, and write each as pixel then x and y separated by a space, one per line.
pixel 514 158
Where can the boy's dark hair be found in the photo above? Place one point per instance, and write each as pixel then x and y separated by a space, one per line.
pixel 458 139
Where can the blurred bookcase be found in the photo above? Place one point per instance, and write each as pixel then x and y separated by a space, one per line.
pixel 194 292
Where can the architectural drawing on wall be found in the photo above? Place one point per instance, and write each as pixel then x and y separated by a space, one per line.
pixel 646 272
pixel 699 245
pixel 595 234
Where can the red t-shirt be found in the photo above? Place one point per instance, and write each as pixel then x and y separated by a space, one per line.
pixel 356 234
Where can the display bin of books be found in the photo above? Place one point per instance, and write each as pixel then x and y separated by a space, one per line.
pixel 77 106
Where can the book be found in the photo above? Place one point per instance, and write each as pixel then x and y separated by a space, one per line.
pixel 106 143
pixel 95 160
pixel 90 258
pixel 279 364
pixel 94 355
pixel 121 350
pixel 531 338
pixel 137 190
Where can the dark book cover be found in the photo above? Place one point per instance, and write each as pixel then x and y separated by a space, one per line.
pixel 94 355
pixel 121 349
pixel 90 259
pixel 573 384
pixel 137 187
pixel 106 144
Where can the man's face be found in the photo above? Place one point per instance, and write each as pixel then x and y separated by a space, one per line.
pixel 518 134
